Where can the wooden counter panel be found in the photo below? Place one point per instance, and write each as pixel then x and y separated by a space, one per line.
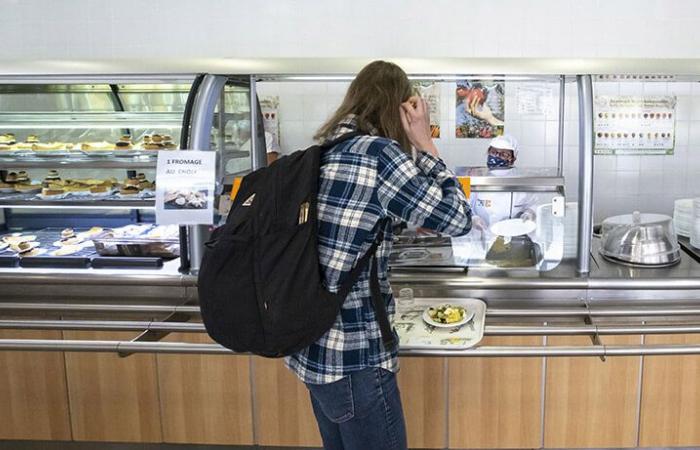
pixel 33 393
pixel 591 403
pixel 496 402
pixel 283 414
pixel 421 382
pixel 112 398
pixel 671 396
pixel 205 399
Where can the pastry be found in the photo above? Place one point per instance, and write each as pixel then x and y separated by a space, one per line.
pixel 123 145
pixel 24 145
pixel 35 252
pixel 129 190
pixel 6 147
pixel 22 176
pixel 94 231
pixel 22 187
pixel 75 240
pixel 67 233
pixel 96 146
pixel 141 176
pixel 157 138
pixel 146 138
pixel 24 246
pixel 169 145
pixel 11 177
pixel 50 146
pixel 66 250
pixel 50 192
pixel 6 187
pixel 152 146
pixel 99 189
pixel 132 182
pixel 52 175
pixel 8 139
pixel 145 185
pixel 32 139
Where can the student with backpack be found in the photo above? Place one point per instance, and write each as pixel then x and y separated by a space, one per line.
pixel 350 371
pixel 300 268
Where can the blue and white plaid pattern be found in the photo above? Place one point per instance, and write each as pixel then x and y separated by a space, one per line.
pixel 362 181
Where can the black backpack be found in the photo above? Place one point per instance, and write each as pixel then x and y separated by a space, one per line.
pixel 260 282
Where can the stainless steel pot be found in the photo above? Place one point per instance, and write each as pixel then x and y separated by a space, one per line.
pixel 640 239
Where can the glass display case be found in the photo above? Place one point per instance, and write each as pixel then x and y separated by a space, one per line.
pixel 78 156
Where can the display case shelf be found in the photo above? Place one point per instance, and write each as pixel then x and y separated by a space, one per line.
pixel 88 203
pixel 79 163
pixel 90 120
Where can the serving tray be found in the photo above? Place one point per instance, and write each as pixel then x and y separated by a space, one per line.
pixel 415 333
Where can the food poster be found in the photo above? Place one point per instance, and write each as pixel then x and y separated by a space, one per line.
pixel 430 91
pixel 634 125
pixel 185 182
pixel 269 107
pixel 480 109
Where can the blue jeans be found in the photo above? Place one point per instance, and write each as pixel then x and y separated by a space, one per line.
pixel 360 412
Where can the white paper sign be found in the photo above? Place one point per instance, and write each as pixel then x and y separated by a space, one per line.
pixel 185 182
pixel 538 99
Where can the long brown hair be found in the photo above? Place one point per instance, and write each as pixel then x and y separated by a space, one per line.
pixel 374 97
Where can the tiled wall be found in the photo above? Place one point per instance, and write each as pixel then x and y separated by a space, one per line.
pixel 622 183
pixel 57 30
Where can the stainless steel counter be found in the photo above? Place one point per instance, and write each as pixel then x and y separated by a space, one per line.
pixel 613 299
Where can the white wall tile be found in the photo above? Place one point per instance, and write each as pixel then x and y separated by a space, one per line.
pixel 532 133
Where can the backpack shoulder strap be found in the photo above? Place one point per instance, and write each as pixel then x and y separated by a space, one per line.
pixel 378 303
pixel 345 137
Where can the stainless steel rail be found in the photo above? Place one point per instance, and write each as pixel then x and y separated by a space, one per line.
pixel 214 349
pixel 574 311
pixel 95 278
pixel 489 330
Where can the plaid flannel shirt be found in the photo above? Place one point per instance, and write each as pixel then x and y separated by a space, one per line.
pixel 363 180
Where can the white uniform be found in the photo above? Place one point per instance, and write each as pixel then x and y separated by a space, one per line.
pixel 496 206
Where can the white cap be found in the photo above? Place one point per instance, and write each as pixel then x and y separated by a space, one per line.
pixel 505 142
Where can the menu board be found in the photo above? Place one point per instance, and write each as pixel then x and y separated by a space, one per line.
pixel 430 91
pixel 185 182
pixel 634 125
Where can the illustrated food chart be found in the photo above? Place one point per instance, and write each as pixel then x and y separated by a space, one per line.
pixel 634 125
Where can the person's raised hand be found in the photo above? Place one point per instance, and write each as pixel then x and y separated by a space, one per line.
pixel 415 118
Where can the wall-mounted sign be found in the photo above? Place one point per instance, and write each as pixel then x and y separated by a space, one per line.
pixel 536 99
pixel 430 91
pixel 634 125
pixel 185 182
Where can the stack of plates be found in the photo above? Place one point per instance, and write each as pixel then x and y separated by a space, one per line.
pixel 695 229
pixel 558 230
pixel 683 216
